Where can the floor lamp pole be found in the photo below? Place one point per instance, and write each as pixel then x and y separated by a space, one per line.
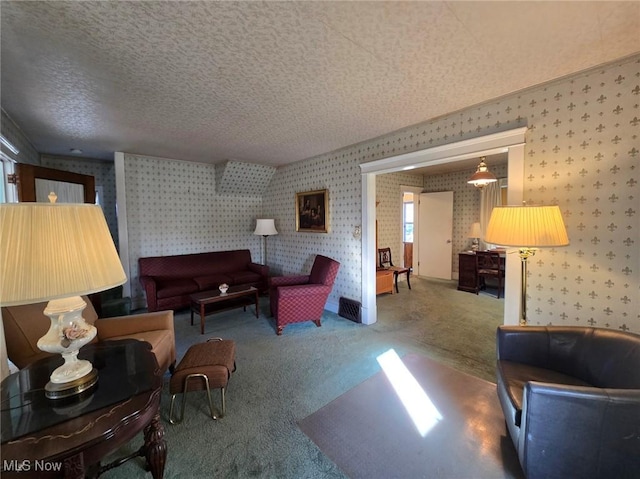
pixel 525 254
pixel 264 246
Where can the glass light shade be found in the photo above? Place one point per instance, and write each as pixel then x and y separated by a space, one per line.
pixel 526 226
pixel 482 176
pixel 265 227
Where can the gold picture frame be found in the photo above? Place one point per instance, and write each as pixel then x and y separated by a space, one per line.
pixel 312 211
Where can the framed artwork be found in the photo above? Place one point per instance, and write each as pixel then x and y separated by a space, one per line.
pixel 312 211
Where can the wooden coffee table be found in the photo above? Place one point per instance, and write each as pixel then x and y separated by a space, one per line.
pixel 208 302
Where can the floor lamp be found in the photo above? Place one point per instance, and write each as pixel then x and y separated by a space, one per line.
pixel 264 228
pixel 58 253
pixel 526 228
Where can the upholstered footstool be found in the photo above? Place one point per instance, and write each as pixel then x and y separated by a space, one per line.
pixel 204 366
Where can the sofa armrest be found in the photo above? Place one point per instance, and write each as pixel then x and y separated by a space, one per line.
pixel 150 290
pixel 288 280
pixel 261 269
pixel 135 323
pixel 575 431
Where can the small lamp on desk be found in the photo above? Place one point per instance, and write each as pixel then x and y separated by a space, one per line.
pixel 527 228
pixel 58 253
pixel 475 233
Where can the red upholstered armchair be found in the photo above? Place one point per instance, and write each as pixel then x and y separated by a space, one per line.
pixel 295 299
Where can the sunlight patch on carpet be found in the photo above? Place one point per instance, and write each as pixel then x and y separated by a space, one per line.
pixel 415 400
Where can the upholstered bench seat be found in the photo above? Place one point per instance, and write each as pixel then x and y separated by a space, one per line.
pixel 204 366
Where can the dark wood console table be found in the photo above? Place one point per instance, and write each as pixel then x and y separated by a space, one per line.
pixel 68 438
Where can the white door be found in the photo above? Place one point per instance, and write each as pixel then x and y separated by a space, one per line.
pixel 436 232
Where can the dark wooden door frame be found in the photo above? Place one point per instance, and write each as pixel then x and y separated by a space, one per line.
pixel 27 174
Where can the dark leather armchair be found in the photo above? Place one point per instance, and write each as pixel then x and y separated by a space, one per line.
pixel 295 299
pixel 571 400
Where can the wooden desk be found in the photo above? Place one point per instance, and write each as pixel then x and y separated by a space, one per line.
pixel 68 438
pixel 467 277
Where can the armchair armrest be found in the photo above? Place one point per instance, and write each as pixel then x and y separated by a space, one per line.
pixel 303 290
pixel 135 323
pixel 579 431
pixel 288 280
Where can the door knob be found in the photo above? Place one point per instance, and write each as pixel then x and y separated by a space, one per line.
pixel 448 241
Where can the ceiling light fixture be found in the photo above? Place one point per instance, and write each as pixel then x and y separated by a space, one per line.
pixel 76 151
pixel 482 176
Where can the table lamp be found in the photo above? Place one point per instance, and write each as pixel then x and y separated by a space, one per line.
pixel 526 228
pixel 57 253
pixel 264 228
pixel 475 233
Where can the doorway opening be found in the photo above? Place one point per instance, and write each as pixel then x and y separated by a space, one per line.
pixel 511 142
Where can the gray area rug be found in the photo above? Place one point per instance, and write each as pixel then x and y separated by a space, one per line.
pixel 368 433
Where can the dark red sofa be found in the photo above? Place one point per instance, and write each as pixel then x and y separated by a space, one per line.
pixel 169 280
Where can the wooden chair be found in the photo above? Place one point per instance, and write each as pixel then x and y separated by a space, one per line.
pixel 489 265
pixel 384 261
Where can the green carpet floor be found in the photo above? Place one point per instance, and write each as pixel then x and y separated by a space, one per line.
pixel 282 379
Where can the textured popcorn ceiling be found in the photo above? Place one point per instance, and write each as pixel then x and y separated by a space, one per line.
pixel 277 82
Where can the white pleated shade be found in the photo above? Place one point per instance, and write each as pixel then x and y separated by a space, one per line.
pixel 52 251
pixel 526 226
pixel 265 227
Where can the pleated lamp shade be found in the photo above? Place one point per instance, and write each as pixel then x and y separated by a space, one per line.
pixel 53 251
pixel 265 227
pixel 526 226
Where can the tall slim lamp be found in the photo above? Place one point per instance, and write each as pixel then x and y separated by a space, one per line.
pixel 264 228
pixel 57 253
pixel 526 228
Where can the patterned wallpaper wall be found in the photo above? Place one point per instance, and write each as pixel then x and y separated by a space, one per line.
pixel 105 176
pixel 237 177
pixel 293 252
pixel 173 207
pixel 582 154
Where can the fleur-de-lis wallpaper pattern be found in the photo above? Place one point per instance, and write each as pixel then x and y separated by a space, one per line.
pixel 582 154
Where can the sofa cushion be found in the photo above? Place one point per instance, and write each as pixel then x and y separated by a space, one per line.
pixel 516 375
pixel 244 277
pixel 175 287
